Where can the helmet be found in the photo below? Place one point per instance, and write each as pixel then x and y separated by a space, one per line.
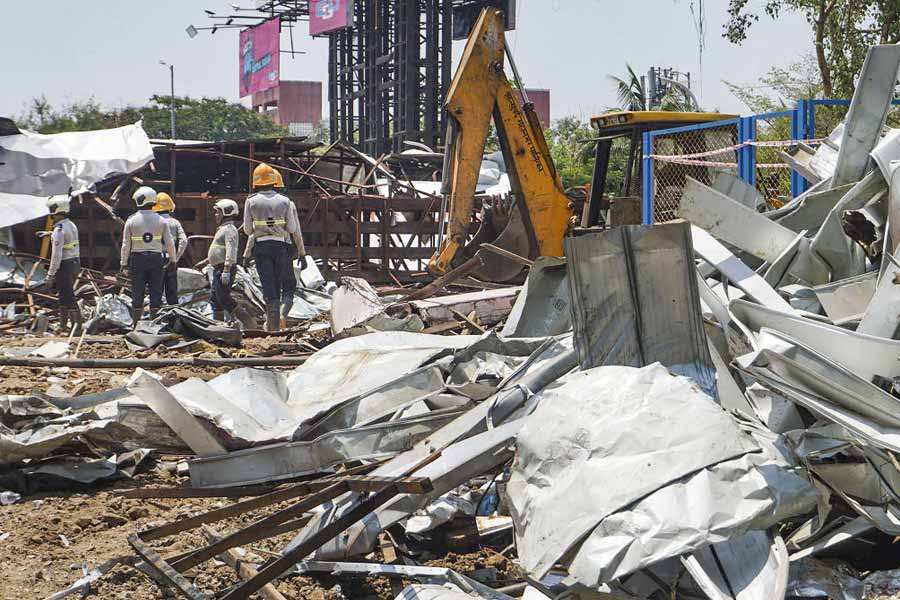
pixel 263 174
pixel 144 196
pixel 279 180
pixel 164 203
pixel 58 204
pixel 228 208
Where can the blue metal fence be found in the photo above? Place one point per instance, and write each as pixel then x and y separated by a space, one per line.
pixel 802 126
pixel 803 123
pixel 694 140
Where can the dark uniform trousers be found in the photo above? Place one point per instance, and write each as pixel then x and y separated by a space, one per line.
pixel 273 263
pixel 147 270
pixel 170 284
pixel 65 281
pixel 221 295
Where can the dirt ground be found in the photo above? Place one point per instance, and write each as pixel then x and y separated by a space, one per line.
pixel 24 380
pixel 52 536
pixel 48 540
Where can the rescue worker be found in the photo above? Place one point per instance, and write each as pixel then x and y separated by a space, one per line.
pixel 287 297
pixel 65 261
pixel 165 206
pixel 145 239
pixel 268 217
pixel 251 240
pixel 222 257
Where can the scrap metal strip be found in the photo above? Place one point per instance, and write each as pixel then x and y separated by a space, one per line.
pixel 151 557
pixel 276 568
pixel 263 528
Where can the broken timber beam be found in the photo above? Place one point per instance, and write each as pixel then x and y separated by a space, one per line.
pixel 152 363
pixel 241 567
pixel 444 280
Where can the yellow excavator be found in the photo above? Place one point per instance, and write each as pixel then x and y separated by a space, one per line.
pixel 534 219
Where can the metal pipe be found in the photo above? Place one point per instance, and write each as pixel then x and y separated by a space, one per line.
pixel 171 99
pixel 515 589
pixel 512 63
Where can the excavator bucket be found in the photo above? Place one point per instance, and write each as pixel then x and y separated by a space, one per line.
pixel 502 225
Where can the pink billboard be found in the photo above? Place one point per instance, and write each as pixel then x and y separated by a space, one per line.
pixel 329 15
pixel 259 59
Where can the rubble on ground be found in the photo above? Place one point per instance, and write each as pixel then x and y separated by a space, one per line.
pixel 706 408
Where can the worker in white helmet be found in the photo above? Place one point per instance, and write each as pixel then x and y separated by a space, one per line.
pixel 65 261
pixel 165 206
pixel 223 254
pixel 146 241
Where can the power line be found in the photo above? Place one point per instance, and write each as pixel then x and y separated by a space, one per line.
pixel 698 14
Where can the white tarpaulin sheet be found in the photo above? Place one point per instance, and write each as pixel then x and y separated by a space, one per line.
pixel 18 208
pixel 35 166
pixel 602 439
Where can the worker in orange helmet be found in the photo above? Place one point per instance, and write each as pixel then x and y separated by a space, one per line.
pixel 271 221
pixel 165 206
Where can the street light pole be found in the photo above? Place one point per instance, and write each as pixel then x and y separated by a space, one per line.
pixel 172 95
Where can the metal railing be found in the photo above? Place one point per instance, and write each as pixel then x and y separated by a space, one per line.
pixel 747 146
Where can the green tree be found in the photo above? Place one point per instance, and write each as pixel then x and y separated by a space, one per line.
pixel 843 31
pixel 778 90
pixel 207 119
pixel 630 91
pixel 571 155
pixel 780 87
pixel 321 132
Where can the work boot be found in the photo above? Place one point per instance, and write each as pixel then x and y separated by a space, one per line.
pixel 136 317
pixel 287 303
pixel 76 318
pixel 247 322
pixel 219 315
pixel 63 314
pixel 272 317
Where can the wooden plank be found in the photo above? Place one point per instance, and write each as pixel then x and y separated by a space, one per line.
pixel 243 569
pixel 312 543
pixel 164 569
pixel 262 528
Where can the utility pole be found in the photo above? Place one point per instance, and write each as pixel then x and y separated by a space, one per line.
pixel 172 95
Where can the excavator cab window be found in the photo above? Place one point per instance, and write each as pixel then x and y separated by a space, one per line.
pixel 623 206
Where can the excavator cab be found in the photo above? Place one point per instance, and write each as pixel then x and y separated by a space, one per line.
pixel 536 215
pixel 625 208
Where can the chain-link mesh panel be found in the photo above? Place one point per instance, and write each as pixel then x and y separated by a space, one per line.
pixel 827 117
pixel 699 153
pixel 773 176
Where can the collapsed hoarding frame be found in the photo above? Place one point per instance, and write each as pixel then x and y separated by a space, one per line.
pixel 470 445
pixel 313 494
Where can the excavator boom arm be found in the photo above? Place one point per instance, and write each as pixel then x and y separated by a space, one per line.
pixel 541 212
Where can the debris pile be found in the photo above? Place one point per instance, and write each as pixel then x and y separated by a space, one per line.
pixel 706 408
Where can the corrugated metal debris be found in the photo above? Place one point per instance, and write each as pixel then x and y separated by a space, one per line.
pixel 706 408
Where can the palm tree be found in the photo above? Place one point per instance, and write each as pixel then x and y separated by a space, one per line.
pixel 631 95
pixel 630 91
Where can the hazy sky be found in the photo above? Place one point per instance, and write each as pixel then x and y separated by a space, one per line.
pixel 110 49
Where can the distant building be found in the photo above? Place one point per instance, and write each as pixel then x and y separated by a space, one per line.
pixel 295 104
pixel 541 101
